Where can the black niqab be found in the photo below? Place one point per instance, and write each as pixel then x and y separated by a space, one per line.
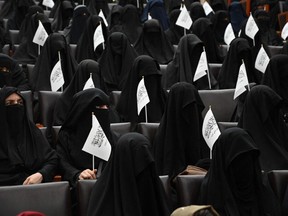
pixel 174 32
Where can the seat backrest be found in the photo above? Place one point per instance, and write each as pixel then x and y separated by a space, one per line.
pixel 188 189
pixel 73 48
pixel 14 36
pixel 275 50
pixel 165 183
pixel 28 96
pixel 84 188
pixel 121 128
pixel 114 98
pixel 278 180
pixel 29 72
pixel 47 101
pixel 221 102
pixel 225 125
pixel 214 69
pixel 148 130
pixel 52 199
pixel 6 49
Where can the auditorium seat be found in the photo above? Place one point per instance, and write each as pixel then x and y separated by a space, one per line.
pixel 274 50
pixel 221 102
pixel 84 188
pixel 214 69
pixel 13 35
pixel 121 128
pixel 188 189
pixel 225 125
pixel 278 180
pixel 47 101
pixel 28 96
pixel 114 98
pixel 73 48
pixel 148 130
pixel 49 198
pixel 29 72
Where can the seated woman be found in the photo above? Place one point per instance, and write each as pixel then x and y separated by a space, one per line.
pixel 25 155
pixel 76 164
pixel 129 184
pixel 233 184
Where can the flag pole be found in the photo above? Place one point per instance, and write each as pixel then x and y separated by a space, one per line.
pixel 248 86
pixel 137 3
pixel 146 115
pixel 93 160
pixel 208 75
pixel 83 2
pixel 38 49
pixel 103 36
pixel 59 56
pixel 209 148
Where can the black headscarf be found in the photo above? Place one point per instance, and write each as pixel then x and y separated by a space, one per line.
pixel 220 21
pixel 27 52
pixel 153 42
pixel 11 74
pixel 147 67
pixel 85 45
pixel 239 49
pixel 203 28
pixel 63 14
pixel 262 118
pixel 276 76
pixel 233 184
pixel 129 185
pixel 174 32
pixel 47 60
pixel 135 3
pixel 196 11
pixel 75 130
pixel 94 6
pixel 78 22
pixel 23 149
pixel 184 64
pixel 178 141
pixel 116 61
pixel 237 16
pixel 114 18
pixel 131 25
pixel 85 68
pixel 218 5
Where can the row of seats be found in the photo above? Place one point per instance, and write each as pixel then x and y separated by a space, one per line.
pixel 54 198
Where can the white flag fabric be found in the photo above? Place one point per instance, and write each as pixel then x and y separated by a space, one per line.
pixel 142 96
pixel 251 27
pixel 98 37
pixel 97 143
pixel 101 14
pixel 149 16
pixel 229 34
pixel 202 67
pixel 210 129
pixel 184 20
pixel 207 8
pixel 48 3
pixel 89 84
pixel 56 77
pixel 242 81
pixel 262 60
pixel 40 35
pixel 284 32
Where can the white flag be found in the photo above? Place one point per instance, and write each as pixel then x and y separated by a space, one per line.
pixel 262 60
pixel 142 96
pixel 40 35
pixel 97 143
pixel 284 33
pixel 48 3
pixel 89 84
pixel 242 81
pixel 101 14
pixel 184 20
pixel 229 34
pixel 98 36
pixel 56 77
pixel 207 8
pixel 202 67
pixel 210 130
pixel 251 27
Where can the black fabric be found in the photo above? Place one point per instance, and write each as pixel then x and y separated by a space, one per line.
pixel 63 14
pixel 28 51
pixel 237 16
pixel 147 67
pixel 85 45
pixel 178 141
pixel 184 64
pixel 94 7
pixel 218 5
pixel 203 28
pixel 116 61
pixel 40 79
pixel 11 74
pixel 239 50
pixel 262 118
pixel 276 76
pixel 139 4
pixel 233 184
pixel 153 42
pixel 85 68
pixel 220 20
pixel 75 130
pixel 114 19
pixel 196 11
pixel 23 149
pixel 174 32
pixel 129 185
pixel 79 19
pixel 130 21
